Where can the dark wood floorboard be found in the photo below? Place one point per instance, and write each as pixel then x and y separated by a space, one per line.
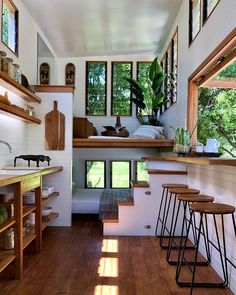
pixel 70 260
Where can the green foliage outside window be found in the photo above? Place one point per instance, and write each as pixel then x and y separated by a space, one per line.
pixel 143 71
pixel 121 95
pixel 142 174
pixel 5 24
pixel 120 174
pixel 96 88
pixel 95 174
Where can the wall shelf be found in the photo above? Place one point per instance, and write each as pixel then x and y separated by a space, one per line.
pixel 50 198
pixel 49 219
pixel 6 257
pixel 11 85
pixel 11 111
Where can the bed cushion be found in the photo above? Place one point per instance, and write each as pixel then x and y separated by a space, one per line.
pixel 148 131
pixel 86 201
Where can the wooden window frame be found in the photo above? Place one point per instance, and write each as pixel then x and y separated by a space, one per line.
pixel 219 59
pixel 16 12
pixel 86 177
pixel 131 71
pixel 86 87
pixel 128 161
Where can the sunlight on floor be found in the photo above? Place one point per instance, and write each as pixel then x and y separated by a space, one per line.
pixel 110 245
pixel 108 267
pixel 106 290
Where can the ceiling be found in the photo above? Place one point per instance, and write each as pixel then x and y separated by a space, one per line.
pixel 104 27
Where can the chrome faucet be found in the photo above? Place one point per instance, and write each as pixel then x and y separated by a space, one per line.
pixel 7 144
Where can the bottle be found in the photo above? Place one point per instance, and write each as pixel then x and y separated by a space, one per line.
pixel 17 76
pixel 11 68
pixel 9 239
pixel 4 61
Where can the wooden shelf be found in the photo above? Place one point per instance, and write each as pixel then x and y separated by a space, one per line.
pixel 50 198
pixel 6 225
pixel 122 143
pixel 17 113
pixel 28 239
pixel 10 84
pixel 6 257
pixel 50 218
pixel 27 209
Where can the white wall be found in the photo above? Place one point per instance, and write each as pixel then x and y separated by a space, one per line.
pixel 221 22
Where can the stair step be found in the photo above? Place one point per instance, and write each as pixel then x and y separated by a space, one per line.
pixel 161 171
pixel 110 217
pixel 139 184
pixel 129 202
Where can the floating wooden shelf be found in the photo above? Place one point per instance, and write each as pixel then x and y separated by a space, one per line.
pixel 50 198
pixel 50 218
pixel 6 225
pixel 6 257
pixel 17 113
pixel 10 84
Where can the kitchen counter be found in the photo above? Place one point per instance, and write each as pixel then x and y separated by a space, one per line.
pixel 10 175
pixel 195 160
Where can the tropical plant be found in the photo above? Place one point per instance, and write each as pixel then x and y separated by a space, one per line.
pixel 182 140
pixel 148 94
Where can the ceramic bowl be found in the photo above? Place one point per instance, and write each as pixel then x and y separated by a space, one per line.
pixel 46 211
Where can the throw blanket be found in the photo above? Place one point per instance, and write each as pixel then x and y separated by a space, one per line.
pixel 109 199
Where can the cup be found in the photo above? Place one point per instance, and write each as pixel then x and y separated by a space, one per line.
pixel 213 145
pixel 210 149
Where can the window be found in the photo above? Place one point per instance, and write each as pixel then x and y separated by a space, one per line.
pixel 95 174
pixel 121 94
pixel 120 174
pixel 169 63
pixel 142 76
pixel 194 18
pixel 10 25
pixel 199 11
pixel 96 88
pixel 141 172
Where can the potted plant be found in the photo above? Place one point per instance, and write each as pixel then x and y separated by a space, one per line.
pixel 182 141
pixel 149 95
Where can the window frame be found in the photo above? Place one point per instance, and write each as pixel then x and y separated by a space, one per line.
pixel 86 177
pixel 136 169
pixel 86 86
pixel 16 28
pixel 130 99
pixel 130 168
pixel 167 63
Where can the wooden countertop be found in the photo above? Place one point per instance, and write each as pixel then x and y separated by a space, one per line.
pixel 195 160
pixel 6 179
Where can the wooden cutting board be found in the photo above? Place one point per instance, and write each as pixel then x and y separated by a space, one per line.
pixel 55 129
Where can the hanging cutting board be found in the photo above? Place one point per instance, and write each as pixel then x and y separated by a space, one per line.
pixel 55 129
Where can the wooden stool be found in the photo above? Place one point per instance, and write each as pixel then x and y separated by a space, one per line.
pixel 185 200
pixel 164 198
pixel 173 193
pixel 204 210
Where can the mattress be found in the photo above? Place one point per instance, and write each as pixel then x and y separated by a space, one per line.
pixel 86 201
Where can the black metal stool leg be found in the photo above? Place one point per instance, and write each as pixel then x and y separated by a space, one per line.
pixel 159 212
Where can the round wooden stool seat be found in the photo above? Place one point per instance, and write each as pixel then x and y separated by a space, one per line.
pixel 174 185
pixel 181 191
pixel 212 208
pixel 196 198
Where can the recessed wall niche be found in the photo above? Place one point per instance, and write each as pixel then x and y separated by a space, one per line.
pixel 70 74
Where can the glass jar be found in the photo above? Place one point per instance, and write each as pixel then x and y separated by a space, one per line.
pixel 9 239
pixel 4 61
pixel 17 73
pixel 11 68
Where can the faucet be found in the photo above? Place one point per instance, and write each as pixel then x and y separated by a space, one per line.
pixel 7 144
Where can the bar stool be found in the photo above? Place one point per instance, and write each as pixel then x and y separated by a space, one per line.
pixel 204 210
pixel 164 199
pixel 173 193
pixel 185 200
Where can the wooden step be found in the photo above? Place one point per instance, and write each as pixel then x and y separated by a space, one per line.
pixel 161 171
pixel 129 202
pixel 110 217
pixel 139 184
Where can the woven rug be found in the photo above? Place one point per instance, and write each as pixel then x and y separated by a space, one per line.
pixel 109 199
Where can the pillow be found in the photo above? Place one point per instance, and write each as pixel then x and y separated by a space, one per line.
pixel 159 129
pixel 145 133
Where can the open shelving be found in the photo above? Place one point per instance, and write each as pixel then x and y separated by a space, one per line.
pixel 50 198
pixel 48 219
pixel 6 225
pixel 6 257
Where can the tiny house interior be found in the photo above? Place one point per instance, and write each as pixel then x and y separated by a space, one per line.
pixel 77 142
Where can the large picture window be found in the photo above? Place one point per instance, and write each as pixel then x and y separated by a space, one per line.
pixel 10 25
pixel 95 174
pixel 120 174
pixel 141 172
pixel 142 76
pixel 121 94
pixel 96 88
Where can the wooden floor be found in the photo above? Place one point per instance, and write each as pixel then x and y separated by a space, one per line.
pixel 80 261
